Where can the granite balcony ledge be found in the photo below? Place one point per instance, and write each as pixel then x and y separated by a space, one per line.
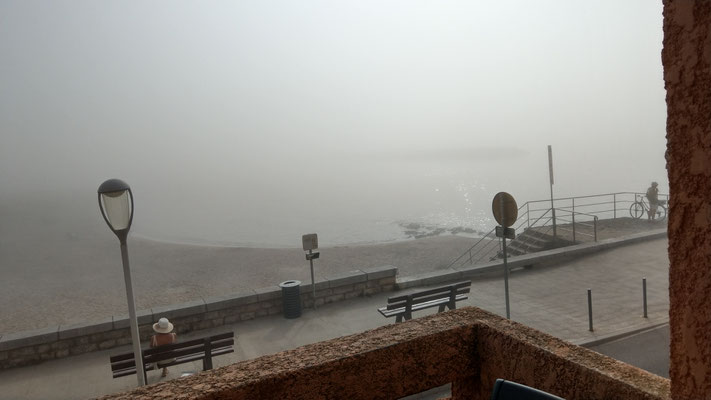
pixel 468 347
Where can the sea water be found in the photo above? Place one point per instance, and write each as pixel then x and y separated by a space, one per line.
pixel 372 200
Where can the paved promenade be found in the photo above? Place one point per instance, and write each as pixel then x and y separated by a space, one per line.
pixel 552 299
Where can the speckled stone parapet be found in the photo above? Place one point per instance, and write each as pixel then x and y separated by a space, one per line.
pixel 687 76
pixel 516 352
pixel 468 347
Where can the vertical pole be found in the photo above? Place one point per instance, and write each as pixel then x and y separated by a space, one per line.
pixel 528 215
pixel 313 282
pixel 550 171
pixel 614 206
pixel 573 214
pixel 595 227
pixel 506 280
pixel 506 265
pixel 644 295
pixel 207 361
pixel 590 318
pixel 133 321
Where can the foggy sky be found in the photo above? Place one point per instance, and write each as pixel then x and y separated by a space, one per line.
pixel 230 100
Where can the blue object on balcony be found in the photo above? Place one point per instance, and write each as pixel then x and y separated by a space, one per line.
pixel 507 390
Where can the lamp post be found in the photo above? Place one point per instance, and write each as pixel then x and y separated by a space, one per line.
pixel 116 204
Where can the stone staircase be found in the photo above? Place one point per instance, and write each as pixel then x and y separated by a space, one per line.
pixel 533 240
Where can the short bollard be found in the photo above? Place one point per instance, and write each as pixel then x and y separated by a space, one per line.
pixel 590 309
pixel 644 295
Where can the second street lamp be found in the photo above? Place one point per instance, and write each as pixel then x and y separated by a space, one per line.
pixel 116 204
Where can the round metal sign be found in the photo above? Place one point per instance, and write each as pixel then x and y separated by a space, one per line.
pixel 505 209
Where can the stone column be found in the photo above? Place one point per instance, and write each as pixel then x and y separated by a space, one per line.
pixel 687 76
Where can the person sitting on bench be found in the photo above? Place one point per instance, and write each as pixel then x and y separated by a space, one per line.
pixel 164 335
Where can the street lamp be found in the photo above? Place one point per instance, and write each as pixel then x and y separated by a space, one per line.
pixel 116 204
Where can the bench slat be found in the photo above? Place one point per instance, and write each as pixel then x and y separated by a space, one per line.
pixel 193 342
pixel 158 351
pixel 430 291
pixel 167 355
pixel 178 353
pixel 435 296
pixel 182 360
pixel 151 358
pixel 420 306
pixel 192 350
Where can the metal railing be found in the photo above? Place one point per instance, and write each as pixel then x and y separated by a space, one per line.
pixel 573 227
pixel 605 206
pixel 576 219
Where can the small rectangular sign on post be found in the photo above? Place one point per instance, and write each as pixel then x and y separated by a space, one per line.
pixel 310 241
pixel 508 233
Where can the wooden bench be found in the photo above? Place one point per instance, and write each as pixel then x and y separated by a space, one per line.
pixel 445 296
pixel 178 353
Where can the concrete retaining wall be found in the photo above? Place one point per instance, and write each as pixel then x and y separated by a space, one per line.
pixel 26 348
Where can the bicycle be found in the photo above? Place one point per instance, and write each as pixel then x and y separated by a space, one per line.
pixel 640 208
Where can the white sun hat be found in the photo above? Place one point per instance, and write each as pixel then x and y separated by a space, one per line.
pixel 163 326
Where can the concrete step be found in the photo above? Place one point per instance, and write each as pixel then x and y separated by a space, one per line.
pixel 531 241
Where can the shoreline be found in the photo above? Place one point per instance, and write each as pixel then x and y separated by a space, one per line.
pixel 87 283
pixel 197 243
pixel 409 231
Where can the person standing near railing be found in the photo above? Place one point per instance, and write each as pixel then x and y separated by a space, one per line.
pixel 653 198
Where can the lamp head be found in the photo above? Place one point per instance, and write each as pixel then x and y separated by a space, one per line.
pixel 116 205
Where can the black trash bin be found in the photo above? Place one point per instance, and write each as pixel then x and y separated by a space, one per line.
pixel 291 298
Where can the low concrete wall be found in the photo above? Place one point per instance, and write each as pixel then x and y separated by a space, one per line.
pixel 26 348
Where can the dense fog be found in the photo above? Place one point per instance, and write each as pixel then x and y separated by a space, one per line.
pixel 250 123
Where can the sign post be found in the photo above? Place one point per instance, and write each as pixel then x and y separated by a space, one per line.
pixel 310 243
pixel 550 172
pixel 505 212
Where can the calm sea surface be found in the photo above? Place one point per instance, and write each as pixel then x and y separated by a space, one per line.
pixel 346 200
pixel 368 200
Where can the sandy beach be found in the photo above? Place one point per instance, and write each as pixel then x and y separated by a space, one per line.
pixel 87 282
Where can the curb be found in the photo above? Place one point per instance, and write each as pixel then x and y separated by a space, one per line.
pixel 620 335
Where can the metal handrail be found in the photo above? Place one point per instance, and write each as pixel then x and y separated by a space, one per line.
pixel 469 250
pixel 527 214
pixel 591 195
pixel 616 198
pixel 486 249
